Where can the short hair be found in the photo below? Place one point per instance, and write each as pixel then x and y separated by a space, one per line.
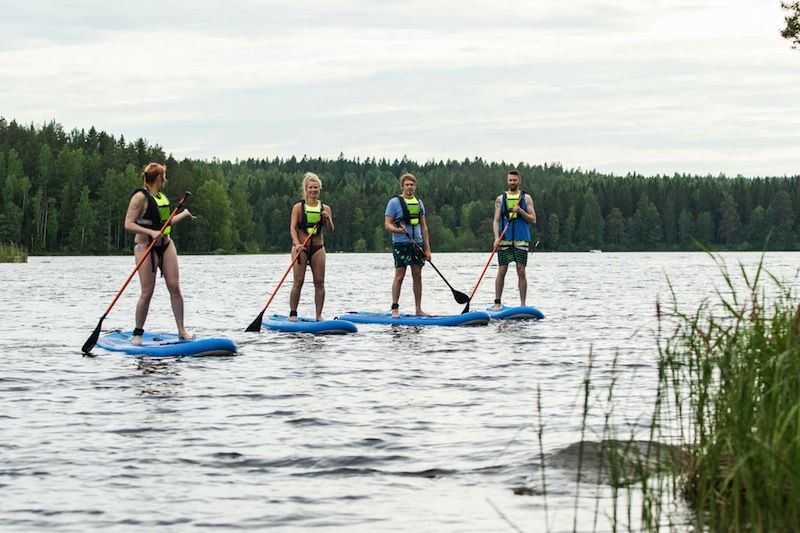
pixel 152 171
pixel 514 172
pixel 310 176
pixel 407 177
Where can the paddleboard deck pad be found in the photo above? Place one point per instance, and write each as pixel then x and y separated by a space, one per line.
pixel 308 325
pixel 165 345
pixel 474 318
pixel 524 312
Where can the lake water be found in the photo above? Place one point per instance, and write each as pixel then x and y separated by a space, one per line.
pixel 389 429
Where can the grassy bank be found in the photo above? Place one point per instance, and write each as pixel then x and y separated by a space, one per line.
pixel 11 253
pixel 730 375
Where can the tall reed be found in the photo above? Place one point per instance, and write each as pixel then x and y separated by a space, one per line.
pixel 11 253
pixel 729 375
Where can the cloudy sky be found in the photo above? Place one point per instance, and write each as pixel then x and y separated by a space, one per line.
pixel 658 86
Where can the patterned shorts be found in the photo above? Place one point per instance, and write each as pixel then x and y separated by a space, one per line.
pixel 508 254
pixel 406 253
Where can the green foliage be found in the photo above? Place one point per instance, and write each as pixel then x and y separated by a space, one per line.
pixel 11 253
pixel 245 206
pixel 730 371
pixel 792 18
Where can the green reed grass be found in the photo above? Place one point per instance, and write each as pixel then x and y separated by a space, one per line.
pixel 729 375
pixel 11 253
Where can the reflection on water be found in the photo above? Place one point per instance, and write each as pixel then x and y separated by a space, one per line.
pixel 395 428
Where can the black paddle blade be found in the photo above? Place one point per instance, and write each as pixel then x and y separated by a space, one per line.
pixel 460 297
pixel 255 326
pixel 92 340
pixel 466 308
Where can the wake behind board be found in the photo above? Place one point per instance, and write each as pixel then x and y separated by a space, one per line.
pixel 474 318
pixel 308 325
pixel 165 345
pixel 524 312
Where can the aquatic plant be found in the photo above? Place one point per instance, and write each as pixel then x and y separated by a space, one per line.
pixel 729 373
pixel 11 253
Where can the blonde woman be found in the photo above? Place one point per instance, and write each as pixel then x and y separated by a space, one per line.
pixel 309 217
pixel 148 209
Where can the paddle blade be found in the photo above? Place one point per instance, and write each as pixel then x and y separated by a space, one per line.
pixel 255 326
pixel 92 340
pixel 466 308
pixel 460 297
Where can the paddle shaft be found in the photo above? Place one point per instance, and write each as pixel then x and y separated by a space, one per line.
pixel 458 294
pixel 486 267
pixel 256 324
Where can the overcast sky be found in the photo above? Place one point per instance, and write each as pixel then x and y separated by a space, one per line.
pixel 658 86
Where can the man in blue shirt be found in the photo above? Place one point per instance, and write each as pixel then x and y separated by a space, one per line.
pixel 405 220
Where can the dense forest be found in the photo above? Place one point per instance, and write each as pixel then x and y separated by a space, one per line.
pixel 67 192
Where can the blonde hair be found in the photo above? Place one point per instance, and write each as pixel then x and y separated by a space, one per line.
pixel 407 176
pixel 310 176
pixel 152 171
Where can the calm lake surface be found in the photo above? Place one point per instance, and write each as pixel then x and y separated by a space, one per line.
pixel 389 429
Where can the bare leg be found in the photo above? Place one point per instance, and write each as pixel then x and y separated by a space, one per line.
pixel 169 267
pixel 299 276
pixel 318 271
pixel 523 284
pixel 416 276
pixel 147 281
pixel 499 282
pixel 397 284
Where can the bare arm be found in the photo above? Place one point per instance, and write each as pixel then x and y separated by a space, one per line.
pixel 327 217
pixel 182 216
pixel 530 213
pixel 496 220
pixel 136 208
pixel 388 223
pixel 293 218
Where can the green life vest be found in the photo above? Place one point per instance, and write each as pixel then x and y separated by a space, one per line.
pixel 511 201
pixel 310 217
pixel 157 212
pixel 410 208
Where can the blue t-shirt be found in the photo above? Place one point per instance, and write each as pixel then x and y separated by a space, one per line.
pixel 395 210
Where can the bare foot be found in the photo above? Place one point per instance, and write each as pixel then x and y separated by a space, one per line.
pixel 395 313
pixel 497 307
pixel 420 312
pixel 185 335
pixel 320 319
pixel 292 318
pixel 136 340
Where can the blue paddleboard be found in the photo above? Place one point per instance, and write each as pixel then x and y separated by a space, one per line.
pixel 165 345
pixel 475 318
pixel 308 325
pixel 524 312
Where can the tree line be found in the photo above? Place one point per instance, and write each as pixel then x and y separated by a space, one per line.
pixel 67 193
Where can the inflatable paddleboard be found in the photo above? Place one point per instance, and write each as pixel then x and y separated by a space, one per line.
pixel 475 318
pixel 308 325
pixel 515 313
pixel 165 345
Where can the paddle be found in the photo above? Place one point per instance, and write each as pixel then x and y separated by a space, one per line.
pixel 92 340
pixel 494 251
pixel 458 295
pixel 255 325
